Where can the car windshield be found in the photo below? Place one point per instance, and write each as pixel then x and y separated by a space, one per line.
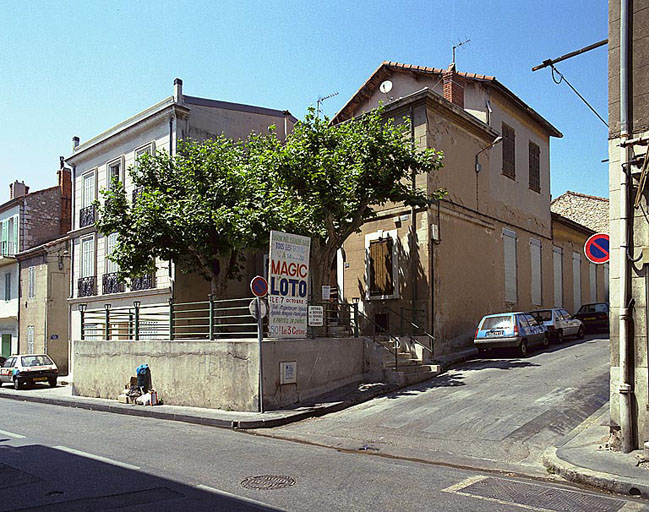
pixel 593 308
pixel 542 316
pixel 35 360
pixel 497 322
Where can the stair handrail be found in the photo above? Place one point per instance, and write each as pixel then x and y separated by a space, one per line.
pixel 394 339
pixel 412 337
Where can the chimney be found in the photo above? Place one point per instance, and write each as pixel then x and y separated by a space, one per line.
pixel 18 189
pixel 453 86
pixel 65 186
pixel 75 142
pixel 178 90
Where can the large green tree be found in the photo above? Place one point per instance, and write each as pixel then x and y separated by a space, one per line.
pixel 203 208
pixel 343 172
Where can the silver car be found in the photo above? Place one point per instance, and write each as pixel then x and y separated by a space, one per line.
pixel 560 323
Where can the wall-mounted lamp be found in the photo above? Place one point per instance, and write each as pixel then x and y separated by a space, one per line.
pixel 497 140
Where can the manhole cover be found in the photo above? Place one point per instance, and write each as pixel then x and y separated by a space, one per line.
pixel 267 482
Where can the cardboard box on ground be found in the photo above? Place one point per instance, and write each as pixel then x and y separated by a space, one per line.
pixel 139 390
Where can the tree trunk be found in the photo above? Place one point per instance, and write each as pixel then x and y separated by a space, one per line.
pixel 322 257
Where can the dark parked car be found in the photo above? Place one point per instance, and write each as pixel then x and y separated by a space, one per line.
pixel 594 316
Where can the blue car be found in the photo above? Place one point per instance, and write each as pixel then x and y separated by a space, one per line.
pixel 510 330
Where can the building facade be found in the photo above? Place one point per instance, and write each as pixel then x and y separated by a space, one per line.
pixel 112 154
pixel 628 38
pixel 487 246
pixel 27 219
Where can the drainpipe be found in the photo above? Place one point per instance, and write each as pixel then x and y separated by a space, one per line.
pixel 625 387
pixel 413 225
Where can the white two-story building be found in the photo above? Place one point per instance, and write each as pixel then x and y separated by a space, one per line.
pixel 112 153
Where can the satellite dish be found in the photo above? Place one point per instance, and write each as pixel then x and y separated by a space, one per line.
pixel 385 87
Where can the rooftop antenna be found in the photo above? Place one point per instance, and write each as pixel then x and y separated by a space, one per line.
pixel 385 88
pixel 321 99
pixel 461 43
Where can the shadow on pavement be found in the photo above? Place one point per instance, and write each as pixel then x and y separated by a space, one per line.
pixel 488 362
pixel 44 479
pixel 442 381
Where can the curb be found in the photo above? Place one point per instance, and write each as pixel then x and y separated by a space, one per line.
pixel 591 478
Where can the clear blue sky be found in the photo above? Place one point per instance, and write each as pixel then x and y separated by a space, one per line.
pixel 77 68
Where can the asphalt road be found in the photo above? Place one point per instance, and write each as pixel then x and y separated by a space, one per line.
pixel 500 412
pixel 61 459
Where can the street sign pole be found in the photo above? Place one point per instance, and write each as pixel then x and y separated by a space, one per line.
pixel 260 339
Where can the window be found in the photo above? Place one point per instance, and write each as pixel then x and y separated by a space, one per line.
pixel 509 151
pixel 144 150
pixel 88 257
pixel 535 167
pixel 557 262
pixel 8 286
pixel 114 171
pixel 381 278
pixel 511 271
pixel 535 255
pixel 9 245
pixel 111 242
pixel 31 282
pixel 592 270
pixel 30 339
pixel 576 280
pixel 88 192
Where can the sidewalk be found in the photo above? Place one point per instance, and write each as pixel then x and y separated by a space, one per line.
pixel 334 401
pixel 585 459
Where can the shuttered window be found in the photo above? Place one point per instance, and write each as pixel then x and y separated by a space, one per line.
pixel 111 241
pixel 576 281
pixel 31 282
pixel 509 245
pixel 30 339
pixel 8 286
pixel 592 270
pixel 381 269
pixel 509 151
pixel 535 260
pixel 88 194
pixel 557 261
pixel 88 257
pixel 535 167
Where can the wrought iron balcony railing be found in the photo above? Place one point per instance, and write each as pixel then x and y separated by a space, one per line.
pixel 8 249
pixel 87 286
pixel 144 282
pixel 111 284
pixel 87 216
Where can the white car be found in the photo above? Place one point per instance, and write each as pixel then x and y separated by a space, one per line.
pixel 27 369
pixel 559 323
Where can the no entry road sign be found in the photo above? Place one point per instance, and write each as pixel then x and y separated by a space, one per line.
pixel 597 248
pixel 259 286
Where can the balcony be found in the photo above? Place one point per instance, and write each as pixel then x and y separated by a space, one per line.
pixel 111 284
pixel 8 249
pixel 144 282
pixel 87 216
pixel 87 286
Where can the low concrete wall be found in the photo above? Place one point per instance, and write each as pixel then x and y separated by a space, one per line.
pixel 218 375
pixel 224 374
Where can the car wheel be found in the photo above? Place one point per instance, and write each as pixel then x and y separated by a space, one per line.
pixel 52 382
pixel 560 336
pixel 17 384
pixel 522 348
pixel 580 333
pixel 546 340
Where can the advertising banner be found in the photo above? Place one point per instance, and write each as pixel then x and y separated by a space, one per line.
pixel 288 285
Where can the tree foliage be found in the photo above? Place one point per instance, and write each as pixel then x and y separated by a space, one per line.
pixel 204 207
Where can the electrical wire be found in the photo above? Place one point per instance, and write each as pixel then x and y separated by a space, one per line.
pixel 563 79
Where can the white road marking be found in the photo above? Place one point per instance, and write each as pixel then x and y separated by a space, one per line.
pixel 464 483
pixel 11 434
pixel 233 496
pixel 96 457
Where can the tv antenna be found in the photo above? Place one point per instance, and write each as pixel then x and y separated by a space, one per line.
pixel 461 43
pixel 321 99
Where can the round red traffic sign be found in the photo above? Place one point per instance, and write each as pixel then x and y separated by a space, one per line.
pixel 259 286
pixel 596 248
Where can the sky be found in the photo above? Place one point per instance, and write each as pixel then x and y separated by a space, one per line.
pixel 78 68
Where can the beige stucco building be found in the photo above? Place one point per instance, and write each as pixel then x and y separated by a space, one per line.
pixel 487 246
pixel 629 229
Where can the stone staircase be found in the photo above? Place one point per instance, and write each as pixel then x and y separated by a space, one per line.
pixel 408 369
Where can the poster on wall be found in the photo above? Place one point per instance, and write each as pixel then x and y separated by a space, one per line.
pixel 288 285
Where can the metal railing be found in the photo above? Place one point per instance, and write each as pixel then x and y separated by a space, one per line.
pixel 86 286
pixel 145 282
pixel 406 324
pixel 110 283
pixel 8 249
pixel 87 216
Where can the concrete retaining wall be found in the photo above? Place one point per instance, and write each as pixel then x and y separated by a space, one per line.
pixel 223 374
